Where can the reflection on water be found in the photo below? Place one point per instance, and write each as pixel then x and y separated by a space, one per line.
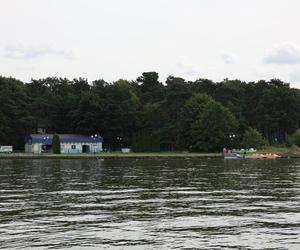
pixel 145 204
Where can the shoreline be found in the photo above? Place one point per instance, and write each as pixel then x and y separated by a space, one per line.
pixel 126 156
pixel 114 156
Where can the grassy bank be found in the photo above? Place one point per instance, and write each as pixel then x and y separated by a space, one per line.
pixel 116 155
pixel 283 151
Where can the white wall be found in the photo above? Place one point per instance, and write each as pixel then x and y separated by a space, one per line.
pixel 94 147
pixel 65 147
pixel 36 148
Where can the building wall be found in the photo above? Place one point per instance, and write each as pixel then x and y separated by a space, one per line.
pixel 33 148
pixel 66 148
pixel 37 148
pixel 93 147
pixel 28 148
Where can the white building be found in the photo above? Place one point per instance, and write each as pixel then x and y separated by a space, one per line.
pixel 69 143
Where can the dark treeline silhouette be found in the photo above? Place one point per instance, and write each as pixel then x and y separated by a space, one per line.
pixel 184 115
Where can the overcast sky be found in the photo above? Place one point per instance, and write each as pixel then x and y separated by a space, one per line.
pixel 112 39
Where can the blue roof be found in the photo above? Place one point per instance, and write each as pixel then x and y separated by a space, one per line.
pixel 67 138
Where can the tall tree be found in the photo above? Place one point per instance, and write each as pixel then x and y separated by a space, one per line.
pixel 56 144
pixel 122 108
pixel 191 112
pixel 15 118
pixel 151 89
pixel 178 91
pixel 210 125
pixel 121 112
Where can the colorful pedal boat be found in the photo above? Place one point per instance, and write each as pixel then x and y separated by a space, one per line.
pixel 262 156
pixel 232 156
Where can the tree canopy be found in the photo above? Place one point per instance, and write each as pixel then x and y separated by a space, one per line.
pixel 184 115
pixel 207 124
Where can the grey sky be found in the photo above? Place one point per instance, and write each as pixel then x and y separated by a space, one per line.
pixel 112 39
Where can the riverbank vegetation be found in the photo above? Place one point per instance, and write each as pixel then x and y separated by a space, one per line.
pixel 117 154
pixel 199 115
pixel 56 144
pixel 283 151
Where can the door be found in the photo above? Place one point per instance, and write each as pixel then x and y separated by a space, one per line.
pixel 85 148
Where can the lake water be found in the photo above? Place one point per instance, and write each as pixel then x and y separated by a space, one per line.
pixel 150 204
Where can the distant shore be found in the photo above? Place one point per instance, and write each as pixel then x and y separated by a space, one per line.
pixel 283 152
pixel 113 155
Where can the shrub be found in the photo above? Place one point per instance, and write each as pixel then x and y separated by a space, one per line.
pixel 253 139
pixel 294 139
pixel 56 144
pixel 143 141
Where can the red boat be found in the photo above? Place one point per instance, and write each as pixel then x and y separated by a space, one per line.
pixel 263 156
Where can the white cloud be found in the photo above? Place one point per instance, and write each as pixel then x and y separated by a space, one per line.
pixel 284 54
pixel 22 52
pixel 228 58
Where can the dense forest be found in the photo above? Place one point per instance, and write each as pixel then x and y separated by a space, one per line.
pixel 179 114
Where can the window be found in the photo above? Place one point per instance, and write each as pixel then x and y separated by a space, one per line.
pixel 73 147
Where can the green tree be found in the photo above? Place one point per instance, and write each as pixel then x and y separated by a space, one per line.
pixel 151 90
pixel 178 91
pixel 253 139
pixel 144 141
pixel 231 94
pixel 121 111
pixel 89 115
pixel 15 116
pixel 206 124
pixel 294 139
pixel 204 86
pixel 213 129
pixel 56 144
pixel 273 108
pixel 167 110
pixel 192 111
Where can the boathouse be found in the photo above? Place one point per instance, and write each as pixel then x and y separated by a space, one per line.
pixel 69 143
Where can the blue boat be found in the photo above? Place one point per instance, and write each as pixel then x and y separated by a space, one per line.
pixel 232 156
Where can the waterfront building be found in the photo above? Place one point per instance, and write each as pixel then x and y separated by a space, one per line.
pixel 69 143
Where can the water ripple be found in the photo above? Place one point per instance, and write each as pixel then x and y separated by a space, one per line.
pixel 145 204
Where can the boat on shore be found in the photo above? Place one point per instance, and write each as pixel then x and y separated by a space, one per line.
pixel 232 156
pixel 262 156
pixel 243 151
pixel 250 156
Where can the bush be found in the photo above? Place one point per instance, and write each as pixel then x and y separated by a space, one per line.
pixel 253 139
pixel 56 144
pixel 143 141
pixel 294 139
pixel 295 148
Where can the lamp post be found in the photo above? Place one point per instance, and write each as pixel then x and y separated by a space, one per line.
pixel 232 139
pixel 45 138
pixel 94 137
pixel 232 136
pixel 119 141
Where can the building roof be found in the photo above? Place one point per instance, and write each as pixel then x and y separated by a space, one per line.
pixel 71 138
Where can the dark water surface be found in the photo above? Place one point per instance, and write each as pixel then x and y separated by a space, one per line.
pixel 150 204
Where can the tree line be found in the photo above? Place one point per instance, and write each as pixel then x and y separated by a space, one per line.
pixel 199 115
